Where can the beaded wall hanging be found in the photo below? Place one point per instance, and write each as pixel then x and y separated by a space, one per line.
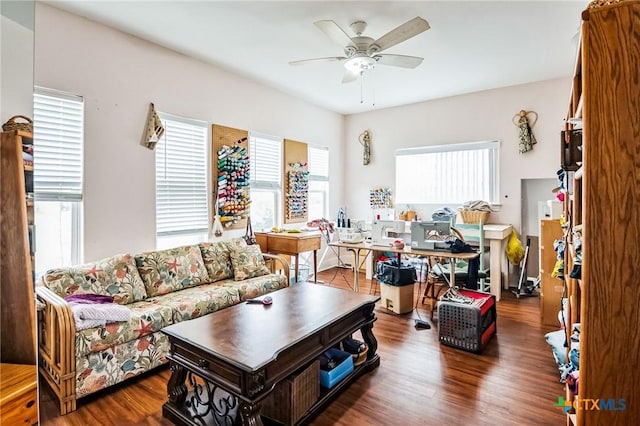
pixel 233 183
pixel 380 198
pixel 297 191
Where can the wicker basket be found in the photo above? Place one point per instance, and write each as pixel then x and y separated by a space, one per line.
pixel 12 124
pixel 360 358
pixel 292 397
pixel 474 216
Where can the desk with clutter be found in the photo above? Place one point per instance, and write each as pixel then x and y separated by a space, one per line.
pixel 380 235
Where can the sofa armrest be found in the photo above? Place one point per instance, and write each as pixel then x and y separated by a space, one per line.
pixel 283 262
pixel 57 347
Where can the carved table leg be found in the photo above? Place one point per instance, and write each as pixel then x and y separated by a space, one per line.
pixel 370 339
pixel 250 414
pixel 176 388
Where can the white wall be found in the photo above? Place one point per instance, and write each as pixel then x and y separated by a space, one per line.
pixel 119 75
pixel 479 116
pixel 16 59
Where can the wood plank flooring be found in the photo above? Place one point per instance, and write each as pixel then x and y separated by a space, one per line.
pixel 419 382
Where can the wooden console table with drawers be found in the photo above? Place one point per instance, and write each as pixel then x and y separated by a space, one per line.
pixel 291 245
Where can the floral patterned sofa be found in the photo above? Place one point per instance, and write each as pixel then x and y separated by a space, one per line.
pixel 160 288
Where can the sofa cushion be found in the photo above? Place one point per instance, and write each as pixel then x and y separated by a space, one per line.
pixel 169 270
pixel 217 259
pixel 254 287
pixel 115 276
pixel 248 262
pixel 147 316
pixel 100 370
pixel 197 301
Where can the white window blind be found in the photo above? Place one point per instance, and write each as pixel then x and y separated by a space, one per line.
pixel 318 181
pixel 318 163
pixel 265 157
pixel 447 174
pixel 58 138
pixel 181 177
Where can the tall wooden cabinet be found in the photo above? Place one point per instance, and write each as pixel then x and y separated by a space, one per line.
pixel 550 288
pixel 604 212
pixel 18 393
pixel 16 288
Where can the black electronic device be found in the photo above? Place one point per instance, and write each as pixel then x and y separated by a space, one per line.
pixel 422 324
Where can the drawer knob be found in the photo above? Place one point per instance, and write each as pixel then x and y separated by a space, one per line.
pixel 202 363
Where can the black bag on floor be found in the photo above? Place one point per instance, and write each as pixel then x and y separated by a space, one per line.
pixel 389 272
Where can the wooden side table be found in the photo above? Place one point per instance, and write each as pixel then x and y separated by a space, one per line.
pixel 291 245
pixel 18 394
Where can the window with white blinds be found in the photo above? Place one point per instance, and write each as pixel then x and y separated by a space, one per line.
pixel 181 177
pixel 58 132
pixel 318 161
pixel 265 177
pixel 265 157
pixel 448 174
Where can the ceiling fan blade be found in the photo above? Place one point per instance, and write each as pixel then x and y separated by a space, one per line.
pixel 349 77
pixel 335 33
pixel 306 61
pixel 402 61
pixel 398 35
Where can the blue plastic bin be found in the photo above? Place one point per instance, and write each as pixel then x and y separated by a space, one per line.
pixel 329 379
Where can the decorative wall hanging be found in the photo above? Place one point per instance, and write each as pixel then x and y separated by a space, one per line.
pixel 297 191
pixel 380 198
pixel 233 183
pixel 365 141
pixel 216 228
pixel 525 120
pixel 295 182
pixel 154 129
pixel 13 124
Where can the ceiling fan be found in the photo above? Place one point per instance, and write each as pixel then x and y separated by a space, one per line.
pixel 362 53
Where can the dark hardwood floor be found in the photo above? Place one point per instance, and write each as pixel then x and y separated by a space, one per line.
pixel 419 382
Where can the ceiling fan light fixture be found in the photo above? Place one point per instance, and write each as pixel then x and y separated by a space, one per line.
pixel 358 64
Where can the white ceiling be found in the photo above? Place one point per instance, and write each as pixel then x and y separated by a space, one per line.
pixel 471 46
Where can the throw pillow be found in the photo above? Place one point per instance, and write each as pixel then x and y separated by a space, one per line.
pixel 164 271
pixel 115 276
pixel 248 262
pixel 217 260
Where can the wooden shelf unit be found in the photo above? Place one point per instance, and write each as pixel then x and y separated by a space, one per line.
pixel 604 210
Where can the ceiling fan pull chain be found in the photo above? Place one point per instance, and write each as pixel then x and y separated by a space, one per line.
pixel 373 94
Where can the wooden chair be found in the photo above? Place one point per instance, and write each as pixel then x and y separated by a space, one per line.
pixel 474 233
pixel 437 282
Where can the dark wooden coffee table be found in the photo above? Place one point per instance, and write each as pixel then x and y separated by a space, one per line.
pixel 247 349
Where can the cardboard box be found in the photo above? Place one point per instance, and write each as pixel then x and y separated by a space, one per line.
pixel 398 299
